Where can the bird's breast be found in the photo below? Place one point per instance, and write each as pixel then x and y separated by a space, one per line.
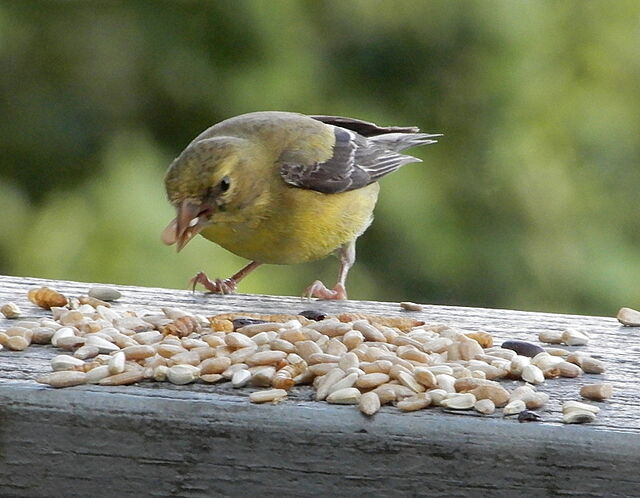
pixel 297 226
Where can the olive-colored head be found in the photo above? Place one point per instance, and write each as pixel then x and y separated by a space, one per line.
pixel 202 182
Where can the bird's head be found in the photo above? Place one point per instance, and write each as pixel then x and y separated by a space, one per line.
pixel 201 184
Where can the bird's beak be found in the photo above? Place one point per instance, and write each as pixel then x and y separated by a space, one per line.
pixel 190 220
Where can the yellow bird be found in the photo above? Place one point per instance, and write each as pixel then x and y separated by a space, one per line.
pixel 283 188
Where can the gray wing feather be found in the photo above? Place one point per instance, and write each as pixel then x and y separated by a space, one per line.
pixel 338 174
pixel 357 161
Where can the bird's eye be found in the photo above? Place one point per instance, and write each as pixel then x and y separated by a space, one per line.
pixel 225 184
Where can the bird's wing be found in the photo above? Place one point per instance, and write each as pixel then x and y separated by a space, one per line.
pixel 356 162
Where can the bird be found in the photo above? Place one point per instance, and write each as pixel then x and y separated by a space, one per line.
pixel 284 188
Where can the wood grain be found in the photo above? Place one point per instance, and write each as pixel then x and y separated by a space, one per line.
pixel 203 440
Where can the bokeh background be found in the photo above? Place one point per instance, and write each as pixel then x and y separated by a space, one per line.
pixel 530 200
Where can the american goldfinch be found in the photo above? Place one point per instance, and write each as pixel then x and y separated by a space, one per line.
pixel 283 188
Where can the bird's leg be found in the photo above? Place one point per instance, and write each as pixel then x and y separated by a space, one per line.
pixel 223 286
pixel 347 258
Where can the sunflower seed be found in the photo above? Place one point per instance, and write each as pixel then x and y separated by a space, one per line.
pixel 183 374
pixel 485 406
pixel 10 310
pixel 514 407
pixel 409 306
pixel 629 317
pixel 369 403
pixel 65 362
pixel 346 396
pixel 63 378
pixel 573 337
pixel 597 392
pixel 459 401
pixel 268 396
pixel 104 293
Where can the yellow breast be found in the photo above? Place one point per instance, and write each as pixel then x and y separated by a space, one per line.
pixel 299 225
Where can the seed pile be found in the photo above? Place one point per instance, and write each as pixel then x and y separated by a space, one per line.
pixel 355 359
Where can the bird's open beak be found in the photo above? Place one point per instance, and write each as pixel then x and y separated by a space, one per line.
pixel 190 220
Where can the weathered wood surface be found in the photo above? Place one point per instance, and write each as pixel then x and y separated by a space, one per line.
pixel 204 440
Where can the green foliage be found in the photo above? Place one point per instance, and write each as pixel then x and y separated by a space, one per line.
pixel 529 201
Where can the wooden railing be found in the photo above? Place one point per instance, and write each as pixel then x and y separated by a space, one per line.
pixel 207 440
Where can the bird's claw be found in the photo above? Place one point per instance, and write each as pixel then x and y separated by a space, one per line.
pixel 319 290
pixel 217 286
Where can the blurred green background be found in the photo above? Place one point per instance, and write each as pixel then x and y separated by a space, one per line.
pixel 529 201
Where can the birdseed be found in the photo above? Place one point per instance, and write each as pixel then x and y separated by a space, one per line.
pixel 352 358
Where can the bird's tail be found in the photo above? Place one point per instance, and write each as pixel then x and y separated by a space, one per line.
pixel 401 141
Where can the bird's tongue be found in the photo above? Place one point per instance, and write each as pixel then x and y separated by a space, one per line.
pixel 189 222
pixel 169 234
pixel 174 234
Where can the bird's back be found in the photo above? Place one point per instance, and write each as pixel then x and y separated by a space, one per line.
pixel 322 186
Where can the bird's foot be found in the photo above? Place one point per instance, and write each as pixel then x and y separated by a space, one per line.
pixel 217 286
pixel 319 290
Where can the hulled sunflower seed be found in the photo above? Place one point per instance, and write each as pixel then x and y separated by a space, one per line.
pixel 414 403
pixel 629 317
pixel 485 406
pixel 369 403
pixel 514 407
pixel 268 396
pixel 10 310
pixel 346 396
pixel 597 392
pixel 63 378
pixel 409 306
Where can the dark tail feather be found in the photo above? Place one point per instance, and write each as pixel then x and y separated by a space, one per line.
pixel 364 128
